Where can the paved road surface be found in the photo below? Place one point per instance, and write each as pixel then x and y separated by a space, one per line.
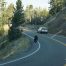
pixel 51 53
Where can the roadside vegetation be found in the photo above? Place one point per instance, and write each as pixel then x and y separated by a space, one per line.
pixel 57 19
pixel 54 19
pixel 12 18
pixel 11 38
pixel 11 48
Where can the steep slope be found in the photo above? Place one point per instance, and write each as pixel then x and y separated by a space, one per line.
pixel 59 23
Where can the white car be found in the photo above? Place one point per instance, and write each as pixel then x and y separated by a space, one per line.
pixel 42 30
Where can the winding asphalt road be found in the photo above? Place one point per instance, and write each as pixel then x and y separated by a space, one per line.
pixel 52 52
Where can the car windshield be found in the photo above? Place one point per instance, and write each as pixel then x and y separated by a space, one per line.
pixel 44 28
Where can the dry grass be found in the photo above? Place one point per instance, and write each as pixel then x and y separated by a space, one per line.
pixel 22 44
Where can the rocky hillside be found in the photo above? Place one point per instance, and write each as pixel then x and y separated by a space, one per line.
pixel 57 24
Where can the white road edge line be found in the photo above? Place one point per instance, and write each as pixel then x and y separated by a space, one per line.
pixel 56 40
pixel 60 36
pixel 56 34
pixel 26 55
pixel 59 42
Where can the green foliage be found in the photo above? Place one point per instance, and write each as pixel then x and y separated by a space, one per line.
pixel 10 10
pixel 7 13
pixel 64 3
pixel 18 19
pixel 29 13
pixel 18 5
pixel 13 34
pixel 56 6
pixel 1 31
pixel 33 15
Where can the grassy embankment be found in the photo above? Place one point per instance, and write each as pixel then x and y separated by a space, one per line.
pixel 9 48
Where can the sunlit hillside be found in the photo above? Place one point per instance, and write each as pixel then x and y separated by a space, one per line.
pixel 59 23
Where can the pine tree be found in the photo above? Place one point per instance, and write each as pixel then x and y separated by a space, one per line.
pixel 17 20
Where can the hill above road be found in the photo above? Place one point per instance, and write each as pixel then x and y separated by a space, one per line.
pixel 57 23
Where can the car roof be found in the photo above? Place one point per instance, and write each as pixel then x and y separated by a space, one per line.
pixel 43 27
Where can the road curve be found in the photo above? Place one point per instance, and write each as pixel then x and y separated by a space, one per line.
pixel 51 53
